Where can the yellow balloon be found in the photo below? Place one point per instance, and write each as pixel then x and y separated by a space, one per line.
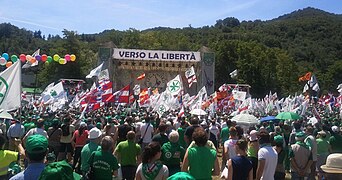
pixel 73 57
pixel 61 61
pixel 56 57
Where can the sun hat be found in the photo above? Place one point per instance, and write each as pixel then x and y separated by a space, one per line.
pixel 333 164
pixel 335 129
pixel 94 133
pixel 36 144
pixel 253 135
pixel 59 170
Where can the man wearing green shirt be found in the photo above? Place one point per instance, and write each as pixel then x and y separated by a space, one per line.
pixel 336 140
pixel 172 153
pixel 103 163
pixel 93 145
pixel 128 153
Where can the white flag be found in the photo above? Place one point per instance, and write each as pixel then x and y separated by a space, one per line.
pixel 54 94
pixel 104 75
pixel 233 74
pixel 239 95
pixel 95 72
pixel 190 72
pixel 10 87
pixel 174 86
pixel 28 63
pixel 339 88
pixel 136 89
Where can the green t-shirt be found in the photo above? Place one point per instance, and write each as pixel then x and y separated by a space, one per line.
pixel 172 155
pixel 181 140
pixel 103 163
pixel 201 162
pixel 86 152
pixel 322 146
pixel 224 135
pixel 336 143
pixel 161 138
pixel 128 152
pixel 28 126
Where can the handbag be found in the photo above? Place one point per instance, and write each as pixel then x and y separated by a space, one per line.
pixel 90 174
pixel 142 138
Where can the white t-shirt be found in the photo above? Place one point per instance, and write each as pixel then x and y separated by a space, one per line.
pixel 270 156
pixel 149 132
pixel 215 130
pixel 230 144
pixel 35 131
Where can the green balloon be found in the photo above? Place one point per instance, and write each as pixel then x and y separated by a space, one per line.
pixel 14 58
pixel 49 59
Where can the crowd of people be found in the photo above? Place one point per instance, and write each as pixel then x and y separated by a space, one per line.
pixel 121 143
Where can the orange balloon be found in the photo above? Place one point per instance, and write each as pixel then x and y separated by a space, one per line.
pixel 32 60
pixel 9 63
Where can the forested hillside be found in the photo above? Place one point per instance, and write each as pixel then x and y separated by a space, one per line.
pixel 269 55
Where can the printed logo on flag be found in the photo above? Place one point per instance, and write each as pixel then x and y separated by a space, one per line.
pixel 162 108
pixel 53 93
pixel 175 86
pixel 3 89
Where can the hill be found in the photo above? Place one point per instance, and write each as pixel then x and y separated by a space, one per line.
pixel 269 55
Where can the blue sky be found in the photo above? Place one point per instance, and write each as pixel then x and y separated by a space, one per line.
pixel 94 16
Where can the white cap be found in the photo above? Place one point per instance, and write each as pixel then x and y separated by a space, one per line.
pixel 94 133
pixel 335 129
pixel 83 124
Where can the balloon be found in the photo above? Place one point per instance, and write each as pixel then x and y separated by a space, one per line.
pixel 47 62
pixel 49 59
pixel 44 57
pixel 3 61
pixel 61 61
pixel 67 57
pixel 9 63
pixel 72 57
pixel 28 57
pixel 32 60
pixel 14 58
pixel 56 57
pixel 5 55
pixel 38 57
pixel 22 58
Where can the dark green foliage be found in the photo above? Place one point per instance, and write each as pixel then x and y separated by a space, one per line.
pixel 269 55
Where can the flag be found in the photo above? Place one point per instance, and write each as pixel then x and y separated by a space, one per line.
pixel 142 76
pixel 121 96
pixel 306 77
pixel 10 87
pixel 339 88
pixel 313 83
pixel 181 112
pixel 174 86
pixel 136 90
pixel 143 97
pixel 191 76
pixel 239 95
pixel 103 75
pixel 28 63
pixel 233 74
pixel 95 72
pixel 190 72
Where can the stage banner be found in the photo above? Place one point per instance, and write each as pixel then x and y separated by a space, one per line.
pixel 156 55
